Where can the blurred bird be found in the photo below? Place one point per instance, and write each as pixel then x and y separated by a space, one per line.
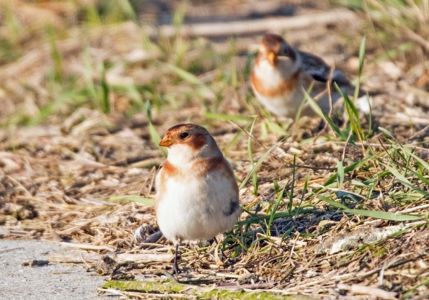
pixel 282 73
pixel 197 195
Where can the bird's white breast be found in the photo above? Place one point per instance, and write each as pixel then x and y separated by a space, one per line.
pixel 192 207
pixel 270 76
pixel 283 105
pixel 286 104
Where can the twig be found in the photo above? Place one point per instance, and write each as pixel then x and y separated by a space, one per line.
pixel 367 290
pixel 88 247
pixel 412 209
pixel 420 133
pixel 254 26
pixel 375 145
pixel 132 160
pixel 417 38
pixel 10 249
pixel 144 257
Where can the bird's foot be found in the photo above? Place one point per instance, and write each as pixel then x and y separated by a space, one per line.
pixel 176 269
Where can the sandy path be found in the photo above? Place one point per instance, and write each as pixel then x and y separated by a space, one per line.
pixel 52 281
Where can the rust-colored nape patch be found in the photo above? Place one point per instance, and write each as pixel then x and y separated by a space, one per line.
pixel 196 141
pixel 203 166
pixel 169 168
pixel 286 86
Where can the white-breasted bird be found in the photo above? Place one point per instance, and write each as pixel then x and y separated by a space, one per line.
pixel 197 195
pixel 281 74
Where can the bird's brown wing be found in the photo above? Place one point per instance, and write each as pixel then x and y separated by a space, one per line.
pixel 319 70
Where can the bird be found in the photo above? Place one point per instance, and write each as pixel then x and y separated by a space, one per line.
pixel 281 74
pixel 197 196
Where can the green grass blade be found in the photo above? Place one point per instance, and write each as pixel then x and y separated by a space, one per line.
pixel 257 165
pixel 347 169
pixel 275 207
pixel 313 104
pixel 185 75
pixel 408 151
pixel 227 117
pixel 275 128
pixel 105 92
pixel 384 215
pixel 250 156
pixel 340 173
pixel 292 186
pixel 132 198
pixel 362 50
pixel 352 113
pixel 56 55
pixel 403 180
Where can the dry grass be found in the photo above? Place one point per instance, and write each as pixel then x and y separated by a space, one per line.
pixel 83 106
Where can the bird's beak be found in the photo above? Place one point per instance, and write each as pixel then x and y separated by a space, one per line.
pixel 166 141
pixel 272 57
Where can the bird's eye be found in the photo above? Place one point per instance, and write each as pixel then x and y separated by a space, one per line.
pixel 184 135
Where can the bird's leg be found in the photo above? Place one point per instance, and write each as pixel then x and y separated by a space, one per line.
pixel 219 245
pixel 176 270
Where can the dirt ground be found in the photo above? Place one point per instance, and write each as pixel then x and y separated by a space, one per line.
pixel 333 208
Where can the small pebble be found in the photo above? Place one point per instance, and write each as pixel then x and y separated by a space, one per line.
pixel 36 263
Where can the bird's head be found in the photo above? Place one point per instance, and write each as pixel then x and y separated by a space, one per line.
pixel 186 142
pixel 272 46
